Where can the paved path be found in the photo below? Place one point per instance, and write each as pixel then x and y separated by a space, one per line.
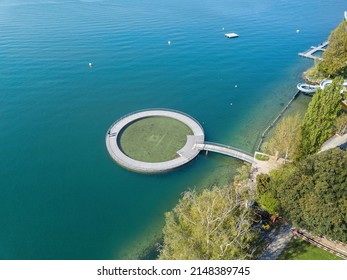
pixel 334 142
pixel 278 241
pixel 264 166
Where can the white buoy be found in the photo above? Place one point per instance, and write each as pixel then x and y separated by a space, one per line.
pixel 231 104
pixel 222 28
pixel 169 42
pixel 90 64
pixel 236 86
pixel 298 30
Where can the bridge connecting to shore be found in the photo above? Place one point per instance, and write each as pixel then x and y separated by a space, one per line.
pixel 194 145
pixel 226 150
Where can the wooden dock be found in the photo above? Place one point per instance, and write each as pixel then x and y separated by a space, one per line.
pixel 310 52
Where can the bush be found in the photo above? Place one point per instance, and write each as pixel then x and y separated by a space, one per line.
pixel 262 157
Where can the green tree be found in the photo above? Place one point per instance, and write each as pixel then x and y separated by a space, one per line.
pixel 209 226
pixel 287 138
pixel 341 124
pixel 269 202
pixel 312 194
pixel 266 195
pixel 263 181
pixel 335 56
pixel 244 188
pixel 319 121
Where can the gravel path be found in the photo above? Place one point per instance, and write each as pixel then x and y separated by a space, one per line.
pixel 335 141
pixel 279 239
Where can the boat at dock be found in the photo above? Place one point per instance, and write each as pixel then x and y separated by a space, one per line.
pixel 306 88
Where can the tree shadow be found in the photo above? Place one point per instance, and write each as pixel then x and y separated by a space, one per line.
pixel 295 248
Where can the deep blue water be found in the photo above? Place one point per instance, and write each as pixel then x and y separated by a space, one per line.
pixel 62 197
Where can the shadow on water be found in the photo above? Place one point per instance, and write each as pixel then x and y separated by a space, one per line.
pixel 152 251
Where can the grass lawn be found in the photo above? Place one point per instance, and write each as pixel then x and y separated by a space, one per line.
pixel 154 139
pixel 299 249
pixel 262 157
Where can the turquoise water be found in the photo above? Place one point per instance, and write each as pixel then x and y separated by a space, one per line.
pixel 61 196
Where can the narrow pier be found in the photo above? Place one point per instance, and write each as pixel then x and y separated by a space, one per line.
pixel 310 52
pixel 225 150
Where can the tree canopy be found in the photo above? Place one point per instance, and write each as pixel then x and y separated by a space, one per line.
pixel 208 226
pixel 287 138
pixel 313 193
pixel 335 56
pixel 319 121
pixel 341 124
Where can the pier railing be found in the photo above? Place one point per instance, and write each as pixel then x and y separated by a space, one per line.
pixel 228 147
pixel 155 109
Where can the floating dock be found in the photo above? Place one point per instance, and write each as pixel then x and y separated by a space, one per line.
pixel 231 35
pixel 310 52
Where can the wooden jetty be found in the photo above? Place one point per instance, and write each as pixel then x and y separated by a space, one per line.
pixel 310 52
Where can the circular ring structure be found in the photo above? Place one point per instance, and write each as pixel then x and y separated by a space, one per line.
pixel 188 152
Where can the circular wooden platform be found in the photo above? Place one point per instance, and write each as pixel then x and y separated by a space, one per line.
pixel 185 154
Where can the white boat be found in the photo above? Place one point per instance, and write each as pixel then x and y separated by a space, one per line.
pixel 324 83
pixel 345 15
pixel 306 88
pixel 231 35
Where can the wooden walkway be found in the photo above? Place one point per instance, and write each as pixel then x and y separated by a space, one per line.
pixel 310 52
pixel 225 150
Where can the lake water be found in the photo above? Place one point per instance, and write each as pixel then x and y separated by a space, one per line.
pixel 62 197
